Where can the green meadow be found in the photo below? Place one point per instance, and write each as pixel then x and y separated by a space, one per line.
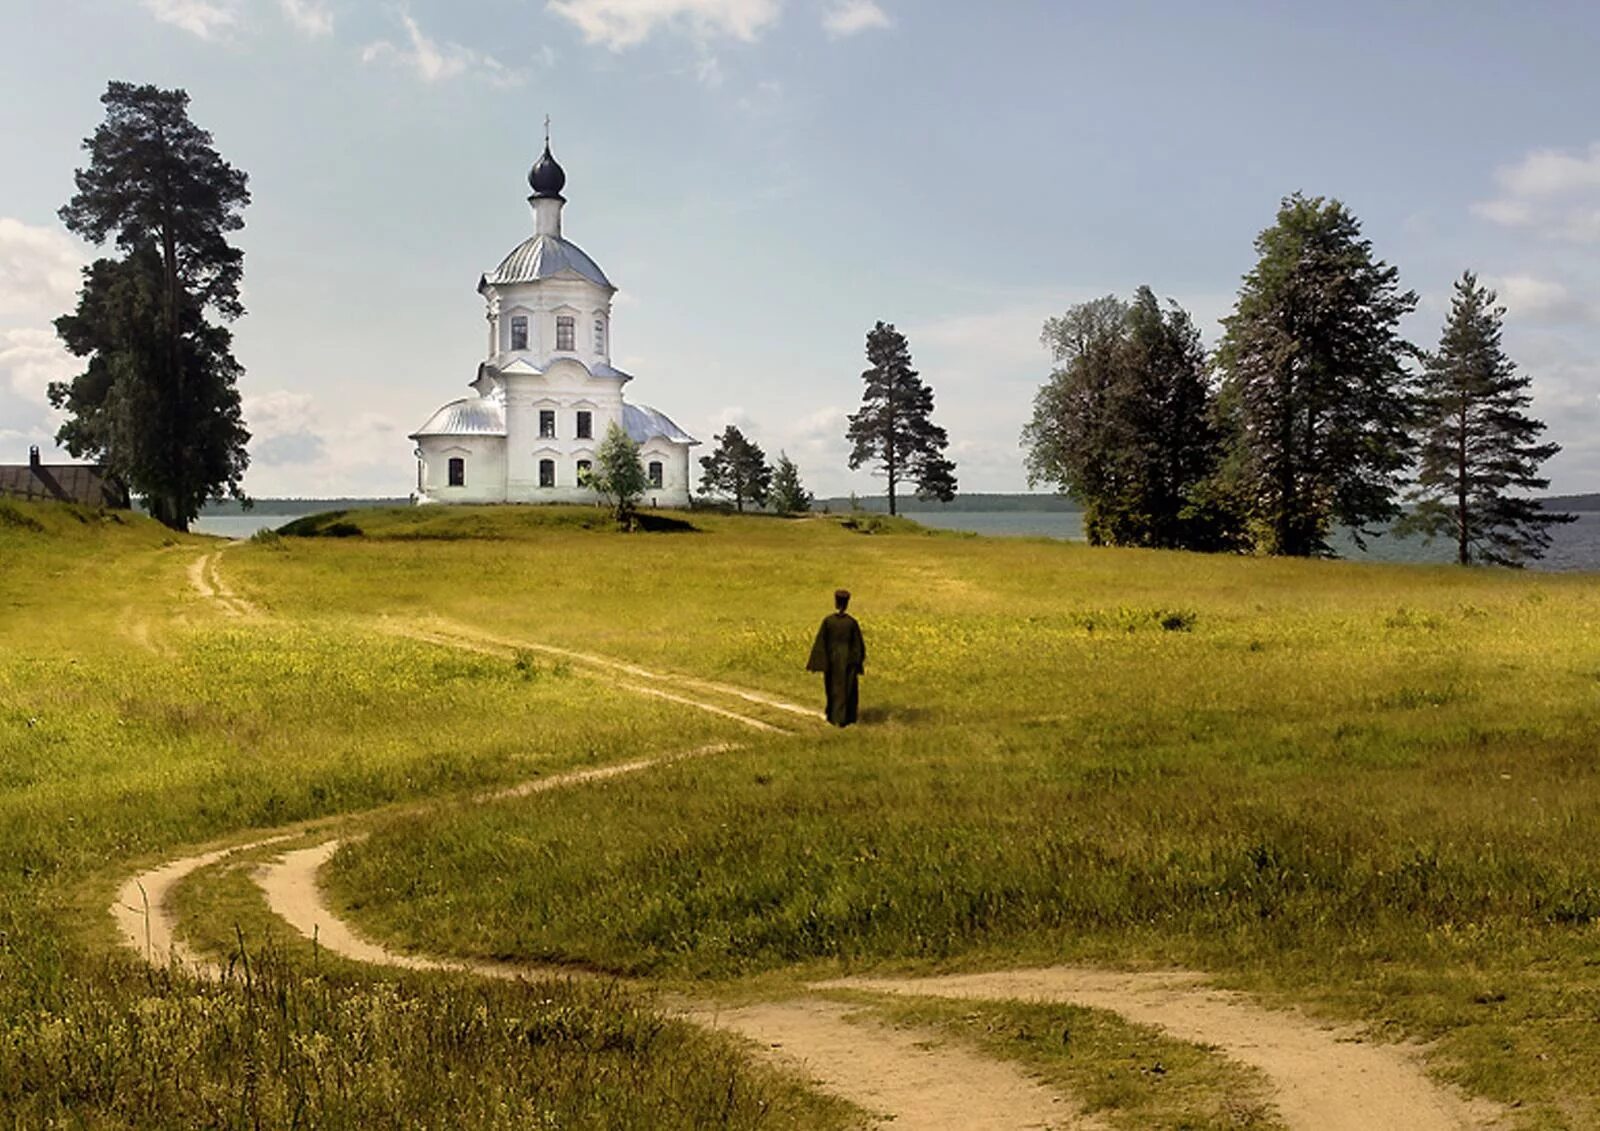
pixel 1367 791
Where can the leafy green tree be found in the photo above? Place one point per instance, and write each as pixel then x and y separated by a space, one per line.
pixel 1315 396
pixel 1123 423
pixel 1477 443
pixel 1075 436
pixel 893 428
pixel 788 495
pixel 737 469
pixel 618 475
pixel 158 402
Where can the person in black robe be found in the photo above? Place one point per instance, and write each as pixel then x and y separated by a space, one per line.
pixel 840 654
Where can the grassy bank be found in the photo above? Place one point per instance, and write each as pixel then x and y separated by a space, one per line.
pixel 1367 790
pixel 137 721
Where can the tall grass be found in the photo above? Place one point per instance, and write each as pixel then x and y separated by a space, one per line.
pixel 136 722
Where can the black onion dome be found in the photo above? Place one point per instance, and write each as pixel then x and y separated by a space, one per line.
pixel 546 177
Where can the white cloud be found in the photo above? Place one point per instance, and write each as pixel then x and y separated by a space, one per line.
pixel 39 269
pixel 1541 300
pixel 197 17
pixel 1552 192
pixel 709 72
pixel 433 61
pixel 850 17
pixel 309 16
pixel 280 429
pixel 32 358
pixel 620 24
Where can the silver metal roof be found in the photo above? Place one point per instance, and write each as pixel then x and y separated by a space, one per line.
pixel 543 257
pixel 642 423
pixel 470 416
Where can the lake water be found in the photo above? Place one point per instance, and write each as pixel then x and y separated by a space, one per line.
pixel 1575 546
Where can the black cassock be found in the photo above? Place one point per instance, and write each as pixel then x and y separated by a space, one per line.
pixel 840 655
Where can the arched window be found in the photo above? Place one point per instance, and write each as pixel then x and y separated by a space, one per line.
pixel 519 332
pixel 566 332
pixel 600 336
pixel 654 471
pixel 585 467
pixel 547 473
pixel 458 471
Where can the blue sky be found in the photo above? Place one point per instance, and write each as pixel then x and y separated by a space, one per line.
pixel 763 179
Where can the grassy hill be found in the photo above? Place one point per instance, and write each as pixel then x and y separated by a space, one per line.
pixel 1366 791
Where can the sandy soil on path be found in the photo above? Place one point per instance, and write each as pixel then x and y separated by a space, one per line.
pixel 1323 1078
pixel 146 924
pixel 206 579
pixel 445 631
pixel 908 1081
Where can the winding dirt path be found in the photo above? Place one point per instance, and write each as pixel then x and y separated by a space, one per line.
pixel 900 1075
pixel 206 579
pixel 1323 1078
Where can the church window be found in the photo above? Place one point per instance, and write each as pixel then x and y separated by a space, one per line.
pixel 547 424
pixel 547 473
pixel 458 471
pixel 600 336
pixel 566 332
pixel 584 468
pixel 654 472
pixel 585 425
pixel 519 333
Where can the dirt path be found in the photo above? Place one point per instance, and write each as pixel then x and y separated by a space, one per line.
pixel 1323 1077
pixel 206 579
pixel 146 923
pixel 898 1074
pixel 451 635
pixel 447 629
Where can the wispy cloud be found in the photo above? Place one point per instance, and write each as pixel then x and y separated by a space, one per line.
pixel 1532 299
pixel 1553 192
pixel 197 17
pixel 435 61
pixel 851 17
pixel 620 24
pixel 309 17
pixel 40 269
pixel 30 359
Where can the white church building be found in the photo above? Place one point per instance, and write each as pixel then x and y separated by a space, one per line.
pixel 547 391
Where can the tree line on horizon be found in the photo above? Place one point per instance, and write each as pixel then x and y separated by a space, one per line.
pixel 1308 416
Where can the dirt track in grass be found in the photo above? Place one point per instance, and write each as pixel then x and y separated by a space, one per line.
pixel 1322 1077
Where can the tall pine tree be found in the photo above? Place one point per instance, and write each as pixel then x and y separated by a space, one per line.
pixel 736 469
pixel 1123 423
pixel 158 402
pixel 1315 396
pixel 1478 443
pixel 893 428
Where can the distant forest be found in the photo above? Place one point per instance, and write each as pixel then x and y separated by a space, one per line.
pixel 875 504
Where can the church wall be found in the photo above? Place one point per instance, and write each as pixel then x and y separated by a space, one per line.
pixel 485 469
pixel 564 390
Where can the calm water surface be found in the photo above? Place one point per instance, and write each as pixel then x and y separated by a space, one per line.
pixel 1576 546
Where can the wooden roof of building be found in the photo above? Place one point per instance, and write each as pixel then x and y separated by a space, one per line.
pixel 62 482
